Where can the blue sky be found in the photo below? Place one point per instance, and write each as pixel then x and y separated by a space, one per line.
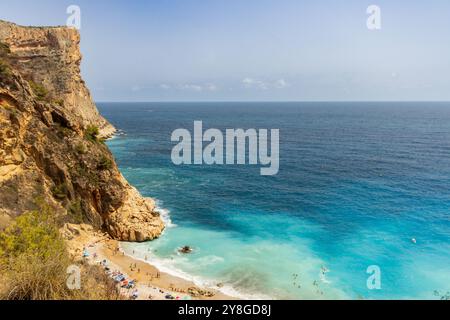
pixel 260 50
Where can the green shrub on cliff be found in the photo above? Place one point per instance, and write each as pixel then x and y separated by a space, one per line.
pixel 80 149
pixel 33 257
pixel 4 49
pixel 60 192
pixel 59 102
pixel 34 233
pixel 34 263
pixel 104 163
pixel 92 133
pixel 4 69
pixel 39 90
pixel 4 65
pixel 75 212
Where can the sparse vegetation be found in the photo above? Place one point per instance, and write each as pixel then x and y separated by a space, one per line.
pixel 64 131
pixel 92 133
pixel 33 257
pixel 4 49
pixel 4 69
pixel 6 106
pixel 105 163
pixel 83 172
pixel 75 212
pixel 39 90
pixel 59 102
pixel 34 263
pixel 80 149
pixel 60 192
pixel 5 66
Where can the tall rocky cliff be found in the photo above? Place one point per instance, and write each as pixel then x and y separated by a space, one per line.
pixel 51 139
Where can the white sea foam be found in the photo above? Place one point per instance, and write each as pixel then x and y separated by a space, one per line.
pixel 167 266
pixel 116 134
pixel 165 214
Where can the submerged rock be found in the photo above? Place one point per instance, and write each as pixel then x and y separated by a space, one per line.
pixel 186 250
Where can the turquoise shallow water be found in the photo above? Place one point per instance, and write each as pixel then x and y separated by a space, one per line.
pixel 357 182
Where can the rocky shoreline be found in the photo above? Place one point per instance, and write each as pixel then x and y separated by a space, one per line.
pixel 52 139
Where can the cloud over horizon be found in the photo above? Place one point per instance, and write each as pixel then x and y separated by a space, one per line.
pixel 255 50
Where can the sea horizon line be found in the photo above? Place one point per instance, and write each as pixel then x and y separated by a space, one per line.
pixel 283 101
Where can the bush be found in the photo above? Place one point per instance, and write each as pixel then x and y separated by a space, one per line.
pixel 59 102
pixel 80 148
pixel 4 69
pixel 33 233
pixel 92 133
pixel 34 262
pixel 105 163
pixel 75 212
pixel 4 49
pixel 33 257
pixel 39 90
pixel 60 192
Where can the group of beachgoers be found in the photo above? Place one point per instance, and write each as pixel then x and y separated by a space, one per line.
pixel 119 278
pixel 128 284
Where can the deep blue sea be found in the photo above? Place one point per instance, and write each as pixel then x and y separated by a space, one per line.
pixel 357 183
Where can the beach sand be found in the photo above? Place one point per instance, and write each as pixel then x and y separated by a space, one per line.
pixel 151 284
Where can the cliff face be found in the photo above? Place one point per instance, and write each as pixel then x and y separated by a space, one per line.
pixel 51 57
pixel 51 145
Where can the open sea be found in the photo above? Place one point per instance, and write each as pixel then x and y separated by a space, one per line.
pixel 357 183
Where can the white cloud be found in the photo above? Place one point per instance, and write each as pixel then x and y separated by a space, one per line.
pixel 199 87
pixel 165 86
pixel 192 87
pixel 211 87
pixel 252 83
pixel 281 84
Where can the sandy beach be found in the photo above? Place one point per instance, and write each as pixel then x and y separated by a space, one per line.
pixel 151 284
